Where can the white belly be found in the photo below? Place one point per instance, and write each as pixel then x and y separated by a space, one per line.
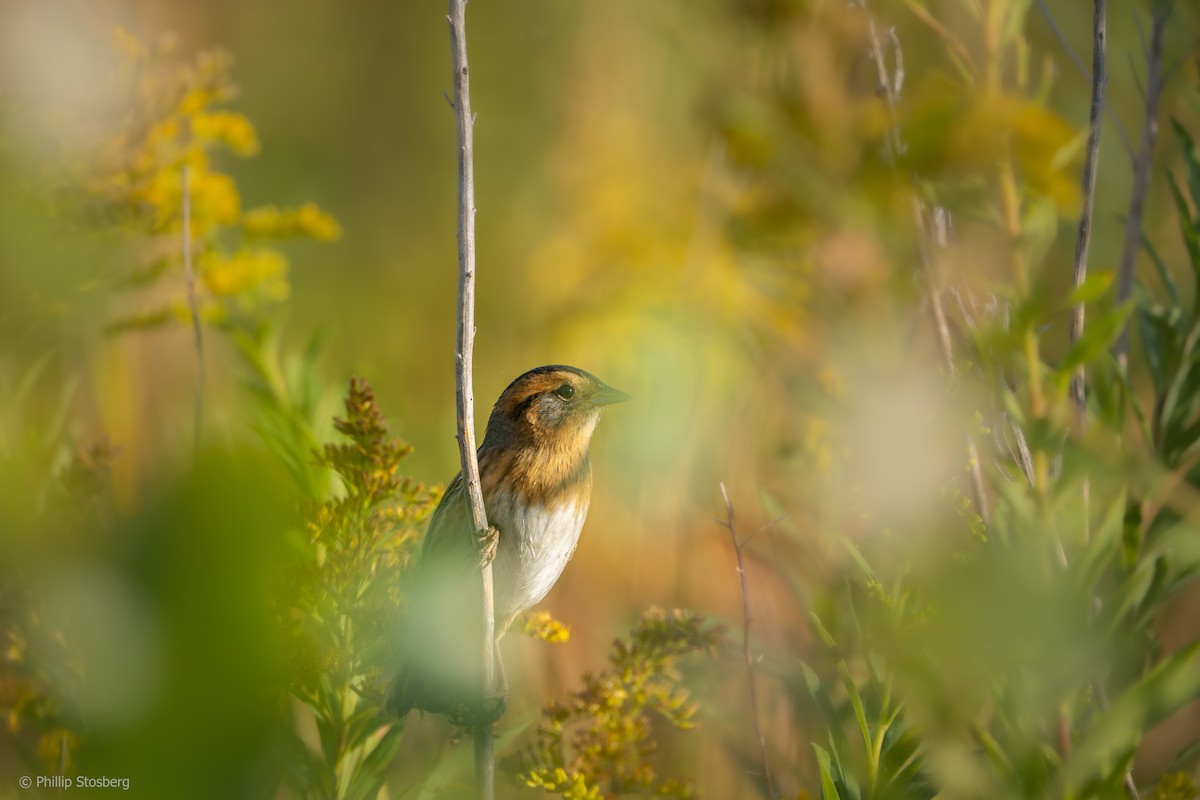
pixel 535 545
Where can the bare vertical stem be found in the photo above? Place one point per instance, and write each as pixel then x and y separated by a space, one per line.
pixel 485 763
pixel 1084 237
pixel 1141 172
pixel 1091 163
pixel 193 306
pixel 738 544
pixel 1074 57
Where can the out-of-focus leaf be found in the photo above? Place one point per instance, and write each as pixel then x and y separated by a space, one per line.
pixel 822 631
pixel 1190 161
pixel 857 555
pixel 372 773
pixel 1101 547
pixel 1179 542
pixel 1180 399
pixel 1039 228
pixel 1171 685
pixel 1161 337
pixel 856 703
pixel 1099 334
pixel 1093 287
pixel 1160 267
pixel 1134 403
pixel 1187 228
pixel 1186 758
pixel 828 790
pixel 1141 588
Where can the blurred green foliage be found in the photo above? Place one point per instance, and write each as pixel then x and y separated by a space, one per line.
pixel 720 221
pixel 344 593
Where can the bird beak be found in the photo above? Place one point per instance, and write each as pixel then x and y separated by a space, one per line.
pixel 606 396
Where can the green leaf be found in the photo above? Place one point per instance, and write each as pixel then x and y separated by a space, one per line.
pixel 856 703
pixel 822 631
pixel 828 790
pixel 1134 403
pixel 1161 333
pixel 1102 545
pixel 1187 227
pixel 1160 267
pixel 1170 686
pixel 1190 162
pixel 1099 334
pixel 857 555
pixel 1172 416
pixel 1093 287
pixel 812 681
pixel 372 772
pixel 1182 444
pixel 1185 760
pixel 1039 228
pixel 1180 543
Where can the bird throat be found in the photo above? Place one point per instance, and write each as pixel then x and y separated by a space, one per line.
pixel 544 474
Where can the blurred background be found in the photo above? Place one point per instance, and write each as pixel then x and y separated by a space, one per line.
pixel 694 201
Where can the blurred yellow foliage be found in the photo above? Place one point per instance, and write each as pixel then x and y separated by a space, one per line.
pixel 306 221
pixel 233 131
pixel 171 122
pixel 248 273
pixel 55 748
pixel 542 625
pixel 1176 786
pixel 959 135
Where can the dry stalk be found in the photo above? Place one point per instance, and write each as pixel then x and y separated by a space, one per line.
pixel 738 545
pixel 1078 62
pixel 1091 163
pixel 485 762
pixel 1083 238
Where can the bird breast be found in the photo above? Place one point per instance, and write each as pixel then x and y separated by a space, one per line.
pixel 536 542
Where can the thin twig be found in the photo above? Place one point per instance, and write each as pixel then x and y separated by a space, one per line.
pixel 1078 62
pixel 1141 174
pixel 1078 385
pixel 193 307
pixel 1083 239
pixel 485 762
pixel 738 544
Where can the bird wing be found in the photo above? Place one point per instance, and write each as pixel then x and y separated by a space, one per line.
pixel 449 536
pixel 442 629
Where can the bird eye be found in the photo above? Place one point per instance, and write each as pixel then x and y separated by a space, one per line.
pixel 566 391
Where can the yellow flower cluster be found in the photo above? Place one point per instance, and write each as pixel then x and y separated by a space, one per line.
pixel 541 625
pixel 173 122
pixel 249 273
pixel 233 131
pixel 570 786
pixel 307 221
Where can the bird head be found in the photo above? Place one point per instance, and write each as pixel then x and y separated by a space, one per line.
pixel 554 405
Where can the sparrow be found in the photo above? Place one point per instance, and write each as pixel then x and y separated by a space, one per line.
pixel 536 477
